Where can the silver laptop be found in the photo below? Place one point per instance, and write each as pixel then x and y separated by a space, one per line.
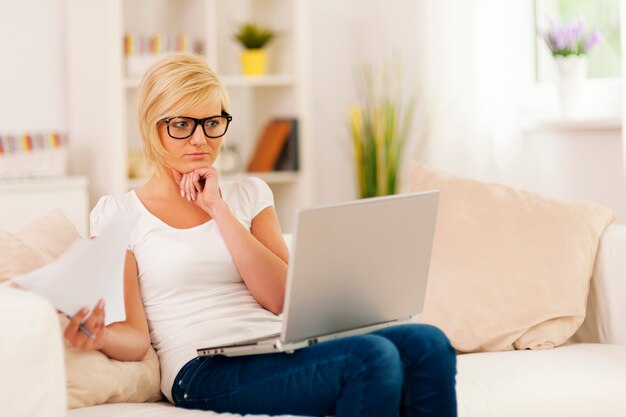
pixel 354 268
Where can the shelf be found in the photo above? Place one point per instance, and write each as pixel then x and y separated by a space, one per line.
pixel 236 81
pixel 50 184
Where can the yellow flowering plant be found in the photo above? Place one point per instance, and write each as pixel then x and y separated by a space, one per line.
pixel 380 126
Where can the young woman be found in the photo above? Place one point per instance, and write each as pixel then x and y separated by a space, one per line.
pixel 207 265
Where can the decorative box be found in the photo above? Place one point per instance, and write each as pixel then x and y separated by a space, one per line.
pixel 33 155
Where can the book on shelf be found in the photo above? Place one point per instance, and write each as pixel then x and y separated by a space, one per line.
pixel 288 158
pixel 276 148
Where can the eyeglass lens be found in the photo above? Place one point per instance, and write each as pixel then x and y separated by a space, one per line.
pixel 183 127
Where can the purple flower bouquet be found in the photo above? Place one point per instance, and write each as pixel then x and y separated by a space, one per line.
pixel 570 38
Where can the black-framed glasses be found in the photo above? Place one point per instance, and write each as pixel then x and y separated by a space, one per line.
pixel 182 127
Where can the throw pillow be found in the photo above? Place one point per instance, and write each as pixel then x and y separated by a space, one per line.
pixel 16 257
pixel 92 377
pixel 510 269
pixel 36 244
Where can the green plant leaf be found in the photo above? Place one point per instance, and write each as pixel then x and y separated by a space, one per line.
pixel 253 35
pixel 380 141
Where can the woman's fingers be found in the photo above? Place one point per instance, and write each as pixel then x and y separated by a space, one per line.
pixel 177 176
pixel 190 187
pixel 94 328
pixel 186 187
pixel 192 184
pixel 198 183
pixel 87 334
pixel 73 325
pixel 94 321
pixel 182 184
pixel 72 330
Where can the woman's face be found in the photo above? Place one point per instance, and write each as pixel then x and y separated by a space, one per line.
pixel 196 151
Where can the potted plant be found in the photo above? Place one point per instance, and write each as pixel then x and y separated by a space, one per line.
pixel 254 37
pixel 383 138
pixel 569 43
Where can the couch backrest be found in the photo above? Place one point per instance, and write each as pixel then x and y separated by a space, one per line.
pixel 606 305
pixel 605 321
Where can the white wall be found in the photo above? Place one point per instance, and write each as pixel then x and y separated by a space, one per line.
pixel 94 64
pixel 582 164
pixel 31 66
pixel 344 34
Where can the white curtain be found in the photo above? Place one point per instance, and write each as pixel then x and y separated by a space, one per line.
pixel 478 60
pixel 465 55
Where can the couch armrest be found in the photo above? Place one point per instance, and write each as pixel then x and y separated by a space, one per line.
pixel 606 306
pixel 31 356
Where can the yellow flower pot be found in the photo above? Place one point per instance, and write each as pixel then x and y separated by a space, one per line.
pixel 254 62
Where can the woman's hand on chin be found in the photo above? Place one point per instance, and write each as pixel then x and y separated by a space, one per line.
pixel 200 186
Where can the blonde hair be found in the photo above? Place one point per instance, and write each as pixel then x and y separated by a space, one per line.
pixel 171 87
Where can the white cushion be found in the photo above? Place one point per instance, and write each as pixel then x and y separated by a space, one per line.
pixel 161 409
pixel 578 380
pixel 31 356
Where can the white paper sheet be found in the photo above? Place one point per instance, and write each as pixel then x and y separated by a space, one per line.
pixel 88 271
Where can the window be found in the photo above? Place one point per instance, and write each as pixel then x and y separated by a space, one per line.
pixel 603 15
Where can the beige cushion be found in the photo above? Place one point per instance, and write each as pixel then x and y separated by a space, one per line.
pixel 510 269
pixel 92 378
pixel 36 244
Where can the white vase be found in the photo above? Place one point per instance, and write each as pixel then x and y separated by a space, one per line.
pixel 571 73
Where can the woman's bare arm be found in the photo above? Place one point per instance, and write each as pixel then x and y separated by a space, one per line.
pixel 260 254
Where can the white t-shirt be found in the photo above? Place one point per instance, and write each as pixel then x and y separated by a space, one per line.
pixel 192 292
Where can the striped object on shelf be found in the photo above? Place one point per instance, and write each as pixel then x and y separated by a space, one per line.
pixel 32 155
pixel 143 50
pixel 29 142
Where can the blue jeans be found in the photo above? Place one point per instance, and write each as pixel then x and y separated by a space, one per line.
pixel 407 370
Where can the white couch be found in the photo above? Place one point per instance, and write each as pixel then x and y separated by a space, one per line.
pixel 585 378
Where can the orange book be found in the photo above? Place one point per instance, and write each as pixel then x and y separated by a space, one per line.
pixel 269 145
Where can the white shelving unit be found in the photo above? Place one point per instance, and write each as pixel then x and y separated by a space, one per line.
pixel 101 94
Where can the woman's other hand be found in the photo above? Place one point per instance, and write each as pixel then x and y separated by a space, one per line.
pixel 92 334
pixel 200 186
